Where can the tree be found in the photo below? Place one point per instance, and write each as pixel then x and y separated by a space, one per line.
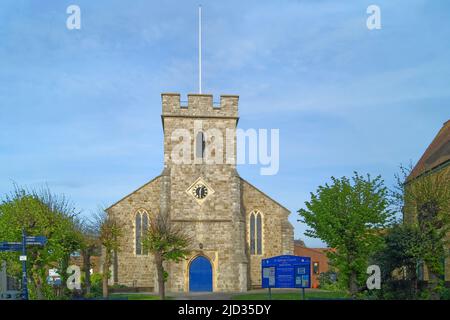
pixel 167 242
pixel 404 249
pixel 426 204
pixel 38 212
pixel 110 233
pixel 348 215
pixel 90 246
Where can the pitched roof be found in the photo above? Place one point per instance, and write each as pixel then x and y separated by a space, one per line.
pixel 316 250
pixel 437 153
pixel 265 195
pixel 130 194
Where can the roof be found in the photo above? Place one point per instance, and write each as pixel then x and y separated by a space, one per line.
pixel 316 250
pixel 265 195
pixel 436 155
pixel 130 194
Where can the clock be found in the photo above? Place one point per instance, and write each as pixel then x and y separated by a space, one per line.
pixel 200 190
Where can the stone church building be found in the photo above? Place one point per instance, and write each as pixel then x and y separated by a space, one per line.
pixel 232 223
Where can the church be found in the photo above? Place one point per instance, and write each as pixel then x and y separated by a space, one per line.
pixel 232 224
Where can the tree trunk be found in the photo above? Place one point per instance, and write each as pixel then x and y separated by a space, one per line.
pixel 105 276
pixel 353 284
pixel 105 286
pixel 64 264
pixel 160 271
pixel 87 270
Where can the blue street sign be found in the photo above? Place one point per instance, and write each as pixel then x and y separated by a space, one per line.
pixel 22 246
pixel 286 272
pixel 36 240
pixel 10 246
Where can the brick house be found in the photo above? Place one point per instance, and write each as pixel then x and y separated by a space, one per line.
pixel 319 261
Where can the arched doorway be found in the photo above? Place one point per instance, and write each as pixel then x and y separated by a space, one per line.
pixel 200 275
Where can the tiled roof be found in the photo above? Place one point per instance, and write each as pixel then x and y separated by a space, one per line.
pixel 437 153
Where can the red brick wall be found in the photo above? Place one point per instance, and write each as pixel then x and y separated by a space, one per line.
pixel 317 256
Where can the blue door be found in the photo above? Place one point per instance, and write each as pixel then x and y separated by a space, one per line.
pixel 200 275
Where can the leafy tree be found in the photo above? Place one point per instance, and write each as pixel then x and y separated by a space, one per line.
pixel 348 215
pixel 38 212
pixel 405 247
pixel 167 242
pixel 109 233
pixel 426 204
pixel 90 246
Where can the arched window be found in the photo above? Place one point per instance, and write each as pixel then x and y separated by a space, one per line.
pixel 200 145
pixel 141 227
pixel 144 230
pixel 252 233
pixel 138 229
pixel 256 232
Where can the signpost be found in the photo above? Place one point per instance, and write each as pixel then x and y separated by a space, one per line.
pixel 37 240
pixel 22 247
pixel 286 271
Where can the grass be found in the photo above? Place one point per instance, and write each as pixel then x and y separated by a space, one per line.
pixel 314 295
pixel 134 296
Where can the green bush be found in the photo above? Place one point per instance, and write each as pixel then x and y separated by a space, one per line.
pixel 328 281
pixel 96 286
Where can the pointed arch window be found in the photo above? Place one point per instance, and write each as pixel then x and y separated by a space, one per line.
pixel 144 231
pixel 140 228
pixel 200 145
pixel 256 233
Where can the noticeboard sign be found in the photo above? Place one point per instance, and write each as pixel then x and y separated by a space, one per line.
pixel 286 271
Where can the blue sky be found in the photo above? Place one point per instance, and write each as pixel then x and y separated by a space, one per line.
pixel 80 110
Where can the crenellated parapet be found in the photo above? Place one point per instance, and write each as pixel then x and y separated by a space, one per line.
pixel 199 105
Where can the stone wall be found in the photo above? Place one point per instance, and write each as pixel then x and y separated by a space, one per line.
pixel 216 226
pixel 278 235
pixel 219 226
pixel 135 270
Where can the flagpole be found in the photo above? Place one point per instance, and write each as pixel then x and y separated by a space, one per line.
pixel 200 49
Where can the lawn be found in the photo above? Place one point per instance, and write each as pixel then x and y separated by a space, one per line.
pixel 133 296
pixel 309 295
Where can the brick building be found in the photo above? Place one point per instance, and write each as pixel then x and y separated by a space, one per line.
pixel 234 225
pixel 319 261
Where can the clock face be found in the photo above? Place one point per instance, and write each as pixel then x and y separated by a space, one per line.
pixel 200 191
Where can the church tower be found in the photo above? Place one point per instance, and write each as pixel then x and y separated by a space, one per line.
pixel 201 188
pixel 232 224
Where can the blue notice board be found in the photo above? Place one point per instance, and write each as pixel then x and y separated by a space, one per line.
pixel 286 272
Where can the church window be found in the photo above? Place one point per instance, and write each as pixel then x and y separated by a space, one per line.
pixel 141 227
pixel 256 233
pixel 144 230
pixel 252 233
pixel 200 145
